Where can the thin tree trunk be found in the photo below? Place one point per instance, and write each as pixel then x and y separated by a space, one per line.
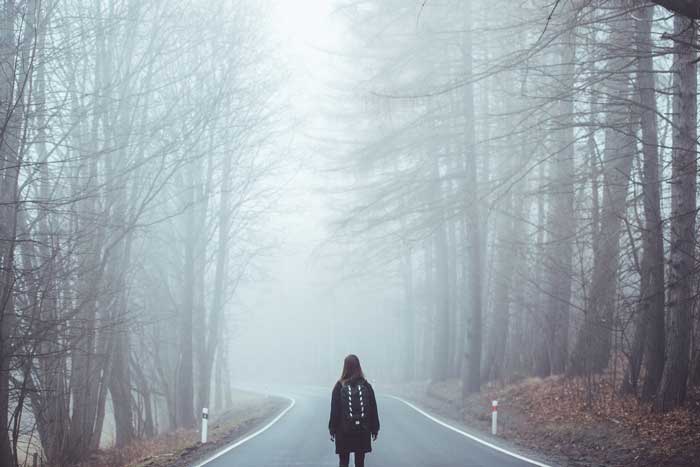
pixel 540 354
pixel 441 297
pixel 471 375
pixel 408 318
pixel 11 117
pixel 453 307
pixel 498 334
pixel 217 311
pixel 673 387
pixel 649 333
pixel 561 225
pixel 429 317
pixel 185 373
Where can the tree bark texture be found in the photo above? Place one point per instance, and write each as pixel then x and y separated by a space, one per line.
pixel 673 388
pixel 561 224
pixel 649 336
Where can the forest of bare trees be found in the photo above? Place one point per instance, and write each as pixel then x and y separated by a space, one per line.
pixel 519 179
pixel 131 184
pixel 528 170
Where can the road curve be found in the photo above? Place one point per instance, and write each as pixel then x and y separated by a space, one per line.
pixel 407 439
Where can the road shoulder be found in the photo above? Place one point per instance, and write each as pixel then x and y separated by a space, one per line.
pixel 549 417
pixel 477 427
pixel 183 448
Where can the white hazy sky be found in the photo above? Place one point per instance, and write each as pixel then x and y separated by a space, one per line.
pixel 307 31
pixel 304 20
pixel 285 314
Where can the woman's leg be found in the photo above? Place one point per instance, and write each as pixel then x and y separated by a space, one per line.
pixel 359 459
pixel 344 459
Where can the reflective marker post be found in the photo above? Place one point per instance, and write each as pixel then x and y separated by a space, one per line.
pixel 205 420
pixel 494 417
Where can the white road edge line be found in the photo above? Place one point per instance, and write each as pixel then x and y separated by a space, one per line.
pixel 227 449
pixel 472 437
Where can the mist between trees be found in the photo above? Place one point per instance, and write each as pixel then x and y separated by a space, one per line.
pixel 528 173
pixel 132 184
pixel 518 178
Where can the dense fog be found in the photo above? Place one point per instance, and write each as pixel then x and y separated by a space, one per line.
pixel 203 195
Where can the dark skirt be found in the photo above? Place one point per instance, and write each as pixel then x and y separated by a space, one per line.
pixel 352 442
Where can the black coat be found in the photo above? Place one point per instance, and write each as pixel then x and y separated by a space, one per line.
pixel 352 442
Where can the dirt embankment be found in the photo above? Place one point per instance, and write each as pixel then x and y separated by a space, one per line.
pixel 558 418
pixel 182 448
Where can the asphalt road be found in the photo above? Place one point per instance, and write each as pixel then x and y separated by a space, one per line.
pixel 407 439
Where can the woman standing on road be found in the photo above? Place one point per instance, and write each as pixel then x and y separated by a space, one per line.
pixel 354 416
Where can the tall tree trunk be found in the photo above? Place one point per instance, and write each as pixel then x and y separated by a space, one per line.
pixel 88 366
pixel 11 109
pixel 471 375
pixel 537 327
pixel 6 326
pixel 120 389
pixel 441 297
pixel 185 369
pixel 516 345
pixel 673 388
pixel 215 324
pixel 429 308
pixel 463 297
pixel 227 386
pixel 453 360
pixel 503 277
pixel 508 214
pixel 561 224
pixel 408 320
pixel 123 195
pixel 218 382
pixel 594 341
pixel 203 359
pixel 118 375
pixel 51 408
pixel 649 332
pixel 408 336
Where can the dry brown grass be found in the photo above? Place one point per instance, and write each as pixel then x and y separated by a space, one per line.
pixel 142 452
pixel 586 421
pixel 183 446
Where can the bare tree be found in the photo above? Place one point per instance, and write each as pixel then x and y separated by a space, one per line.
pixel 673 386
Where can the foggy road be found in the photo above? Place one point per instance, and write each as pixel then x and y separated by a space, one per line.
pixel 407 438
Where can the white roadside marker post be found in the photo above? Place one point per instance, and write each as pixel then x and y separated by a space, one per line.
pixel 494 417
pixel 205 420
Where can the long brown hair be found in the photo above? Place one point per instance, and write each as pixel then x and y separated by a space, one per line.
pixel 351 369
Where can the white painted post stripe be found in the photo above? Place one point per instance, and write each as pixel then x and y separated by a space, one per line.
pixel 472 437
pixel 250 436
